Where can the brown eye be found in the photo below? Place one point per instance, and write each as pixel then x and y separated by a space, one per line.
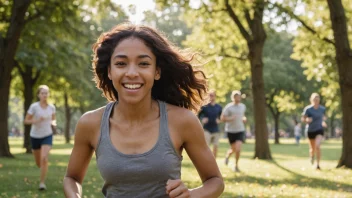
pixel 120 64
pixel 144 64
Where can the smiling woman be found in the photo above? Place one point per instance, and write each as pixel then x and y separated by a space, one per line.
pixel 178 84
pixel 138 138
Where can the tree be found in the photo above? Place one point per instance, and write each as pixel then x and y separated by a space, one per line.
pixel 39 50
pixel 13 18
pixel 9 40
pixel 255 37
pixel 335 25
pixel 285 84
pixel 344 62
pixel 251 29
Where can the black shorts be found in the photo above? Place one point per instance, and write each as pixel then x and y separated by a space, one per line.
pixel 233 137
pixel 38 142
pixel 313 134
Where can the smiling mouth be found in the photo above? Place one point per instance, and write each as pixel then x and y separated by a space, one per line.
pixel 132 86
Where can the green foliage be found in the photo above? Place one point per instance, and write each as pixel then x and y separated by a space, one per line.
pixel 56 41
pixel 223 48
pixel 286 86
pixel 170 22
pixel 318 55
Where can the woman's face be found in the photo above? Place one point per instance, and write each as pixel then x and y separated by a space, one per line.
pixel 133 70
pixel 316 100
pixel 43 94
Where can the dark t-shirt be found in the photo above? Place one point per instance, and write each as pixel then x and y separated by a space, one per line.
pixel 317 116
pixel 212 112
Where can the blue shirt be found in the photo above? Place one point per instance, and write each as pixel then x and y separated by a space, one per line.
pixel 317 116
pixel 212 112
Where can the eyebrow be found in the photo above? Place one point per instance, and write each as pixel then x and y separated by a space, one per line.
pixel 140 56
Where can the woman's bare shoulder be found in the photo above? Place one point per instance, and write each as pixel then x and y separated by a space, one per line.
pixel 90 121
pixel 181 116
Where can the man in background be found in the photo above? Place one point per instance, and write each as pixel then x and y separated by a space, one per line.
pixel 210 118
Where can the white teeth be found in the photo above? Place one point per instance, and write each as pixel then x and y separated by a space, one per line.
pixel 132 86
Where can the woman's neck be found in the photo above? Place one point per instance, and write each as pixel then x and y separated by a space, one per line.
pixel 135 112
pixel 43 102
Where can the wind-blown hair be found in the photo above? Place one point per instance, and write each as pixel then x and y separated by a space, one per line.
pixel 180 84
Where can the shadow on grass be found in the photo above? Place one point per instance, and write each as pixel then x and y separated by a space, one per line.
pixel 296 180
pixel 315 182
pixel 331 150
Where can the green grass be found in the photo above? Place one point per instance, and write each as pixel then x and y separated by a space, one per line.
pixel 289 175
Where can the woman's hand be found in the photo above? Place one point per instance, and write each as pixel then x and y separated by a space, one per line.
pixel 309 120
pixel 177 189
pixel 205 120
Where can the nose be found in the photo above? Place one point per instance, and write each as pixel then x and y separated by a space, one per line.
pixel 132 71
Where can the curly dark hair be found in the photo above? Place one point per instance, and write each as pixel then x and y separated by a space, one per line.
pixel 180 84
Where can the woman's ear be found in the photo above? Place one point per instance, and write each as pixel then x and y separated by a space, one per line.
pixel 157 73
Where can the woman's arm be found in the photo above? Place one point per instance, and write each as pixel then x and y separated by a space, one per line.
pixel 53 119
pixel 194 143
pixel 80 156
pixel 29 119
pixel 306 119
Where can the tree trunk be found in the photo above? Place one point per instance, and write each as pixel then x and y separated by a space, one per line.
pixel 8 48
pixel 29 81
pixel 4 100
pixel 68 118
pixel 344 63
pixel 332 126
pixel 28 97
pixel 277 123
pixel 255 39
pixel 262 150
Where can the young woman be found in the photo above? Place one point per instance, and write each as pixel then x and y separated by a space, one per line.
pixel 138 138
pixel 314 116
pixel 41 115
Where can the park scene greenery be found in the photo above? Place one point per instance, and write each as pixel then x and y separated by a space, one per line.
pixel 277 52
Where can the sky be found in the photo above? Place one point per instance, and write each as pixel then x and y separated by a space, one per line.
pixel 141 6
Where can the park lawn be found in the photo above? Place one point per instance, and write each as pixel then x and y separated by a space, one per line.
pixel 289 175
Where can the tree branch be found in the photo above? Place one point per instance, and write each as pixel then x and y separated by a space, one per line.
pixel 270 101
pixel 37 74
pixel 17 65
pixel 242 57
pixel 235 18
pixel 304 24
pixel 235 57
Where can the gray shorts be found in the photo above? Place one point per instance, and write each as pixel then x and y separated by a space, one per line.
pixel 212 138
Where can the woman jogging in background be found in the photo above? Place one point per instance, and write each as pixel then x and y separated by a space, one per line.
pixel 138 138
pixel 314 116
pixel 41 115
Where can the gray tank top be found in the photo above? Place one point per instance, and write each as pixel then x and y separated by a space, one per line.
pixel 137 175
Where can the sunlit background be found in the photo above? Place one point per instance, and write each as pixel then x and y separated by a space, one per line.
pixel 298 58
